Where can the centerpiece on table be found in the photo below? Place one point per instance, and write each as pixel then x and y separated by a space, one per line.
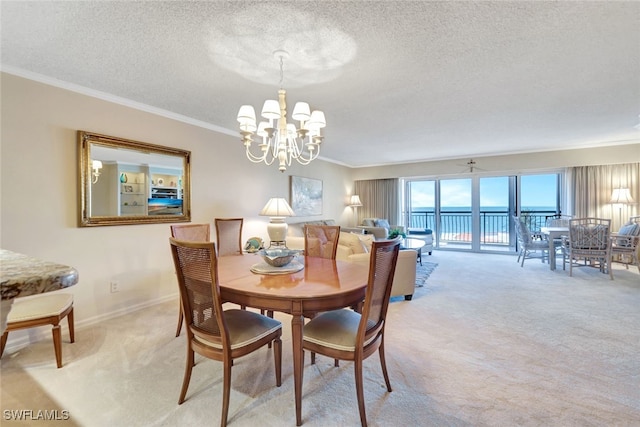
pixel 277 261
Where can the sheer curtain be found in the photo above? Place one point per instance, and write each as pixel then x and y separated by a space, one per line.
pixel 380 199
pixel 592 187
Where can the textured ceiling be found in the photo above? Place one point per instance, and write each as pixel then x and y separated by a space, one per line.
pixel 398 81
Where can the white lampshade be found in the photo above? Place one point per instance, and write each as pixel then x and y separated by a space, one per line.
pixel 355 200
pixel 277 207
pixel 261 129
pixel 247 114
pixel 271 109
pixel 301 112
pixel 621 196
pixel 317 120
pixel 96 165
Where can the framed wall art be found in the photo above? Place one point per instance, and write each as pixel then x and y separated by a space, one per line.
pixel 306 196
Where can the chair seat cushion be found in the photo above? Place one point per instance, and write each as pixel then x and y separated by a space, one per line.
pixel 334 329
pixel 45 305
pixel 245 327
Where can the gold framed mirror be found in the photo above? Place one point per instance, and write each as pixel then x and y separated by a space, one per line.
pixel 125 182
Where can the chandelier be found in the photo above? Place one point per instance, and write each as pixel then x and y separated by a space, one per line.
pixel 279 139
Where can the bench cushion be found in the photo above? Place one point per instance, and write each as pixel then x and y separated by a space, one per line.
pixel 45 305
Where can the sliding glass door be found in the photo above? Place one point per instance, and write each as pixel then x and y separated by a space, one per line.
pixel 474 213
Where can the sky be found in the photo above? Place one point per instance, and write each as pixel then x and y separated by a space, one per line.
pixel 536 191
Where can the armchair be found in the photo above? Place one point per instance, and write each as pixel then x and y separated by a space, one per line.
pixel 625 245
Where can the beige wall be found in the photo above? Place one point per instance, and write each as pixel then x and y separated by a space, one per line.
pixel 39 189
pixel 517 163
pixel 39 192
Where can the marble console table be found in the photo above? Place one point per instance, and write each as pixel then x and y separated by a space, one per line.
pixel 22 275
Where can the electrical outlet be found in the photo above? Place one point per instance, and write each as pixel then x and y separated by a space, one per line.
pixel 114 286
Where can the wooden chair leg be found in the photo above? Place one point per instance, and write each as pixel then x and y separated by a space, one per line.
pixel 360 392
pixel 57 344
pixel 3 342
pixel 226 392
pixel 277 356
pixel 383 363
pixel 187 375
pixel 71 323
pixel 180 317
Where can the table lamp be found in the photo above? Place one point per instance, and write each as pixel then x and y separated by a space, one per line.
pixel 277 209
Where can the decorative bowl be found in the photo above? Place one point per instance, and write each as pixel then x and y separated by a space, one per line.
pixel 278 257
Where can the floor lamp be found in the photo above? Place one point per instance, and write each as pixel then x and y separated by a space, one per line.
pixel 620 197
pixel 355 203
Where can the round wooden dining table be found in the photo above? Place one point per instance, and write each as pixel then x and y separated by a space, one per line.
pixel 322 285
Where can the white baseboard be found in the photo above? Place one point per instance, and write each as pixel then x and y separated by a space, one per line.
pixel 44 332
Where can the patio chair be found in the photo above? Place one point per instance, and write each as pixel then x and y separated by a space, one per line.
pixel 527 244
pixel 589 240
pixel 625 244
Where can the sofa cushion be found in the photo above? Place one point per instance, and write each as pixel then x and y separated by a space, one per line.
pixel 368 222
pixel 382 223
pixel 329 222
pixel 367 240
pixel 352 241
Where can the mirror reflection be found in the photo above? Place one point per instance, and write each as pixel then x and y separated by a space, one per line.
pixel 130 182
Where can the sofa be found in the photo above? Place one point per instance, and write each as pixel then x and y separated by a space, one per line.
pixel 355 246
pixel 378 227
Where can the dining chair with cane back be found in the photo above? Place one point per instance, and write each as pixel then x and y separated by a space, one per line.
pixel 229 236
pixel 321 240
pixel 212 332
pixel 348 335
pixel 192 233
pixel 589 240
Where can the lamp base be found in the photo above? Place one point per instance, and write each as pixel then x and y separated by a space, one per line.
pixel 277 230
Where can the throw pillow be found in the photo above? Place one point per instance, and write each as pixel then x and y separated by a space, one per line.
pixel 351 241
pixel 367 241
pixel 368 222
pixel 629 230
pixel 382 223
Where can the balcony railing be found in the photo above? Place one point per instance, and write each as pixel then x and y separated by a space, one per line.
pixel 456 226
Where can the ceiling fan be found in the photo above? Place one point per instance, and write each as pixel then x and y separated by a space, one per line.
pixel 471 164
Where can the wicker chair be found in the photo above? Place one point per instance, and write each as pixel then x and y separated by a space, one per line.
pixel 625 244
pixel 348 335
pixel 321 240
pixel 212 332
pixel 191 233
pixel 527 244
pixel 589 240
pixel 229 236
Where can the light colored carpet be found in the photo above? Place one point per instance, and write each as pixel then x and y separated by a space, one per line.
pixel 483 343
